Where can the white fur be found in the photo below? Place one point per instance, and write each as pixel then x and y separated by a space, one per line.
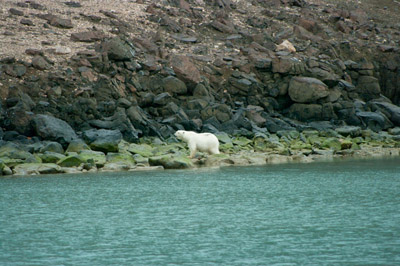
pixel 204 142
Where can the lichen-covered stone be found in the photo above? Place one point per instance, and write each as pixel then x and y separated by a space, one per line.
pixel 171 161
pixel 36 168
pixel 98 157
pixel 71 161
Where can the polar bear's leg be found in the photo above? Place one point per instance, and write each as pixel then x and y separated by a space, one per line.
pixel 214 150
pixel 192 149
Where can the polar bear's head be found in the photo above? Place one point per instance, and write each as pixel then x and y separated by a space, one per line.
pixel 180 134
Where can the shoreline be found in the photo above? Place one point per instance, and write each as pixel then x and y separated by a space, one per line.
pixel 153 154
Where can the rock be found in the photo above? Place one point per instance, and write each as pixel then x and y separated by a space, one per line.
pixel 58 21
pixel 77 145
pixel 162 99
pixel 97 157
pixel 307 90
pixel 368 87
pixel 351 131
pixel 88 36
pixel 171 161
pixel 286 46
pixel 12 154
pixel 174 86
pixel 26 22
pixel 392 110
pixel 36 168
pixel 51 157
pixel 71 161
pixel 40 63
pixel 144 150
pixel 52 147
pixel 185 70
pixel 103 140
pixel 374 120
pixel 54 129
pixel 117 49
pixel 16 12
pixel 121 158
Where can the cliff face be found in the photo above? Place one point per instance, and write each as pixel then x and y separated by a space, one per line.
pixel 242 67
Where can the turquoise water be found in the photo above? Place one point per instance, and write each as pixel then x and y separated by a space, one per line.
pixel 341 213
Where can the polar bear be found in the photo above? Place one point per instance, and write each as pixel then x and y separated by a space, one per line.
pixel 204 142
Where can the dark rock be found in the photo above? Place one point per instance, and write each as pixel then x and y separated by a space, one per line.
pixel 392 110
pixel 351 131
pixel 52 147
pixel 185 70
pixel 117 49
pixel 16 12
pixel 103 140
pixel 59 22
pixel 26 22
pixel 162 99
pixel 374 121
pixel 40 63
pixel 73 4
pixel 51 128
pixel 307 90
pixel 88 36
pixel 368 87
pixel 174 85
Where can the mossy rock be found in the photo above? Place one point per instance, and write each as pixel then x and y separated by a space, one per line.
pixel 224 138
pixel 77 145
pixel 299 145
pixel 36 168
pixel 264 143
pixel 13 152
pixel 226 147
pixel 120 158
pixel 289 134
pixel 241 141
pixel 2 166
pixel 98 157
pixel 144 150
pixel 332 144
pixel 346 144
pixel 71 161
pixel 171 161
pixel 51 157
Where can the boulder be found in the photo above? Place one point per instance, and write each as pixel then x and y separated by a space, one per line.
pixel 52 147
pixel 368 87
pixel 144 150
pixel 352 131
pixel 174 85
pixel 121 158
pixel 103 139
pixel 374 120
pixel 40 63
pixel 307 90
pixel 392 110
pixel 36 169
pixel 77 145
pixel 96 157
pixel 54 129
pixel 171 161
pixel 71 161
pixel 51 157
pixel 185 70
pixel 117 49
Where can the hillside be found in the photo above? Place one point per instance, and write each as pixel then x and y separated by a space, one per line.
pixel 148 68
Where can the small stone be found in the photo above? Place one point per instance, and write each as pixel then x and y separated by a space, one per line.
pixel 16 12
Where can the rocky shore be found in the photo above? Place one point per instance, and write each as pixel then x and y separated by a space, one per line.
pixel 103 85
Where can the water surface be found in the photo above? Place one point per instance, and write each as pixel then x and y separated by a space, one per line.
pixel 341 213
